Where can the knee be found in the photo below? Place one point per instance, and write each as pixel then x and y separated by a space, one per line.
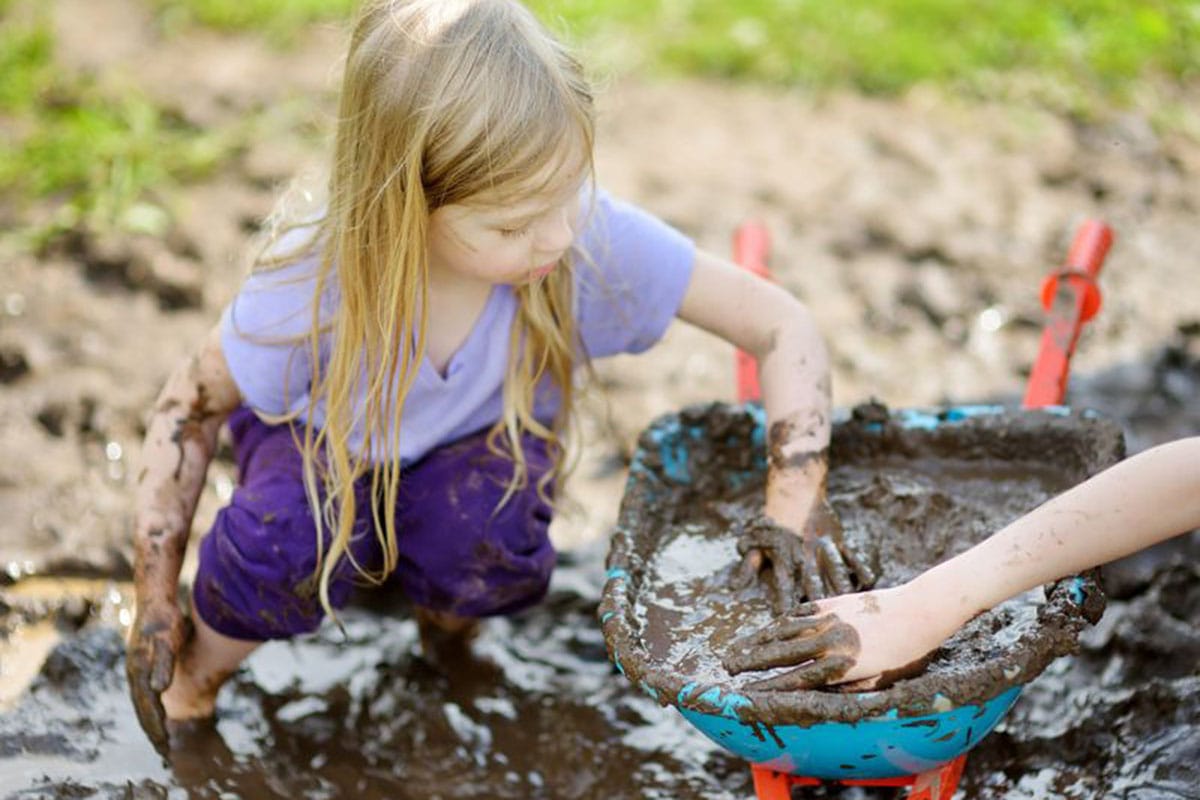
pixel 462 551
pixel 256 576
pixel 488 577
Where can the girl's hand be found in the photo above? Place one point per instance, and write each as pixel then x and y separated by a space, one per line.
pixel 158 634
pixel 820 556
pixel 871 639
pixel 841 562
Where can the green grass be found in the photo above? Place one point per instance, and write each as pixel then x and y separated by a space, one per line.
pixel 102 152
pixel 886 46
pixel 278 20
pixel 1103 49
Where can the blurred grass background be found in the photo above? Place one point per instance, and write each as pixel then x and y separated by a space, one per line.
pixel 101 150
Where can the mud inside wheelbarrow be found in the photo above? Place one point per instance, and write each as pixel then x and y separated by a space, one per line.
pixel 912 488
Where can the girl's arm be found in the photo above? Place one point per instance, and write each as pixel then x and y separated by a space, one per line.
pixel 181 438
pixel 1134 504
pixel 766 321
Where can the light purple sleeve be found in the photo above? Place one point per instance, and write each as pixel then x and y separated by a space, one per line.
pixel 264 336
pixel 633 274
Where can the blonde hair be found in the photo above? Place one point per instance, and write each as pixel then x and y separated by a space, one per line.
pixel 442 101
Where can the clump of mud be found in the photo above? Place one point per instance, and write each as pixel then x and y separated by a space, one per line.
pixel 911 490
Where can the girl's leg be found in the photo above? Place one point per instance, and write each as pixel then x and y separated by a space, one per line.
pixel 462 557
pixel 255 577
pixel 444 636
pixel 208 659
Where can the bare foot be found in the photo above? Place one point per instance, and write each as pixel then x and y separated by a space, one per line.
pixel 207 660
pixel 185 699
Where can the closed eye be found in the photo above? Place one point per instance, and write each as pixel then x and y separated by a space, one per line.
pixel 514 232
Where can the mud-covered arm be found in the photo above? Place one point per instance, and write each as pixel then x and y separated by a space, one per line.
pixel 1134 504
pixel 181 438
pixel 798 533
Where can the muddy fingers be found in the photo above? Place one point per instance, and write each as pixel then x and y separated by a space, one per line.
pixel 156 638
pixel 817 673
pixel 764 544
pixel 164 665
pixel 859 563
pixel 833 569
pixel 145 688
pixel 810 574
pixel 819 561
pixel 151 715
pixel 747 570
pixel 783 643
pixel 784 579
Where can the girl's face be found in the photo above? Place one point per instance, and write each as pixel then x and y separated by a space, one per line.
pixel 492 242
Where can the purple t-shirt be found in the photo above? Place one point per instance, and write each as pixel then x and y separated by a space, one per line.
pixel 632 272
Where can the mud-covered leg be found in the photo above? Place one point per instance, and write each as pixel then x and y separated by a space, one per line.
pixel 445 636
pixel 206 662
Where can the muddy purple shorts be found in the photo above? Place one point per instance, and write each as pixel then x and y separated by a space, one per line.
pixel 457 552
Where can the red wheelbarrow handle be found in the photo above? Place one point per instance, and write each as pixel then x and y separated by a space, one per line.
pixel 1070 297
pixel 751 245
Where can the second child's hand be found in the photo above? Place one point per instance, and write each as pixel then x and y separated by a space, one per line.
pixel 884 635
pixel 822 642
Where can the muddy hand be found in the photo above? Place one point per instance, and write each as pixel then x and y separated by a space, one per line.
pixel 822 649
pixel 158 635
pixel 766 546
pixel 837 561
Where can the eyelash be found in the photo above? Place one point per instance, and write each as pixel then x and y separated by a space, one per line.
pixel 513 233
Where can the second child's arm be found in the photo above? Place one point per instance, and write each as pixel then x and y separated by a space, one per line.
pixel 181 438
pixel 1134 504
pixel 766 321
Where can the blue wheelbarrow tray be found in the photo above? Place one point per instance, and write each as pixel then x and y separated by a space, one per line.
pixel 913 488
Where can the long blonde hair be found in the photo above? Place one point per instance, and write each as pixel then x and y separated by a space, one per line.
pixel 442 100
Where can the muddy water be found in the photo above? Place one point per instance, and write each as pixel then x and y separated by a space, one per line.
pixel 1122 718
pixel 912 489
pixel 536 711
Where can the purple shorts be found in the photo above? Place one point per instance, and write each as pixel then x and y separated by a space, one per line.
pixel 457 553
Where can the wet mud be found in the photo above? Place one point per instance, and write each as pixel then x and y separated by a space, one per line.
pixel 540 711
pixel 911 491
pixel 1119 719
pixel 534 710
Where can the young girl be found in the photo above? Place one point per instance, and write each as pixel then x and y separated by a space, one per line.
pixel 397 374
pixel 1134 504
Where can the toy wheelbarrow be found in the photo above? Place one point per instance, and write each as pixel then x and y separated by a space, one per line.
pixel 707 457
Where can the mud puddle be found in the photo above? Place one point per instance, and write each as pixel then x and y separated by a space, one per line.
pixel 537 711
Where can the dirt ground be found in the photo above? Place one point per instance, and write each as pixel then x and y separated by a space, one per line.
pixel 917 230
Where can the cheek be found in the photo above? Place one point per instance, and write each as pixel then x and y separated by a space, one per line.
pixel 447 246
